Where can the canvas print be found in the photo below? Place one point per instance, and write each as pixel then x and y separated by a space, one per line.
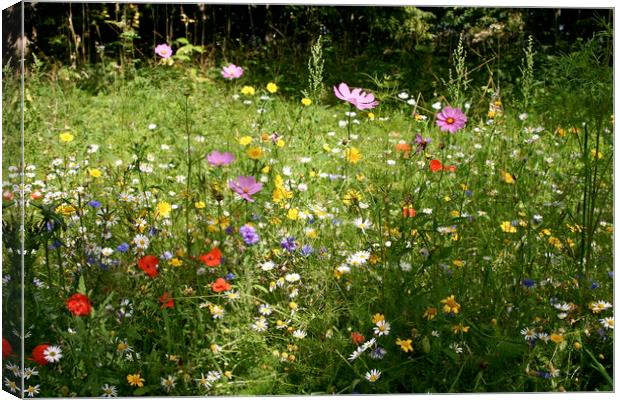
pixel 257 199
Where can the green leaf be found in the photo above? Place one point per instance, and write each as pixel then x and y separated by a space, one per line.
pixel 261 288
pixel 81 285
pixel 141 391
pixel 426 345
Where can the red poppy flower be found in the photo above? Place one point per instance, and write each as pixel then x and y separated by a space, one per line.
pixel 166 301
pixel 149 264
pixel 7 350
pixel 212 258
pixel 357 338
pixel 38 356
pixel 79 305
pixel 435 165
pixel 220 285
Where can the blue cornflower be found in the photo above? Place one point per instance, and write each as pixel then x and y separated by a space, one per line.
pixel 94 204
pixel 123 248
pixel 528 283
pixel 306 250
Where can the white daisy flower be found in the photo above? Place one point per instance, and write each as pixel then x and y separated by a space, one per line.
pixel 52 354
pixel 373 375
pixel 109 391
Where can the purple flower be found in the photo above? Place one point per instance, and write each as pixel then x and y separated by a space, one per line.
pixel 289 244
pixel 123 247
pixel 163 50
pixel 528 283
pixel 249 235
pixel 245 186
pixel 451 119
pixel 231 71
pixel 421 142
pixel 217 159
pixel 359 99
pixel 306 250
pixel 94 204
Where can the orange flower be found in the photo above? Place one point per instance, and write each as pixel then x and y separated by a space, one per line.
pixel 212 258
pixel 220 285
pixel 403 147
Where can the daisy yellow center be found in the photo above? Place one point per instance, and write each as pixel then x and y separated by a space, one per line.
pixel 450 120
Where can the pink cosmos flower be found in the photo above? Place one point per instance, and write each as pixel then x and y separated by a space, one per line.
pixel 163 50
pixel 217 159
pixel 451 119
pixel 359 99
pixel 245 186
pixel 232 71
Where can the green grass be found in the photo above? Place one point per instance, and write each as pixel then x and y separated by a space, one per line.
pixel 457 249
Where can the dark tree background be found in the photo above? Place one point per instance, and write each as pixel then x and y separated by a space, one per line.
pixel 405 43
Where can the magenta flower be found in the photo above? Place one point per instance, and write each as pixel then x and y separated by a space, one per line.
pixel 451 119
pixel 163 50
pixel 232 71
pixel 245 186
pixel 359 99
pixel 217 159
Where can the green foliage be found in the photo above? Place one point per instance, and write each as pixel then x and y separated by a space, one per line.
pixel 316 64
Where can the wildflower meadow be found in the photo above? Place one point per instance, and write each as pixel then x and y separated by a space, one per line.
pixel 234 227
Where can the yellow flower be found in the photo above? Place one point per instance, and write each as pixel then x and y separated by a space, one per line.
pixel 353 155
pixel 405 345
pixel 66 137
pixel 556 338
pixel 215 348
pixel 430 313
pixel 272 87
pixel 280 143
pixel 352 197
pixel 175 262
pixel 508 177
pixel 135 380
pixel 596 154
pixel 255 153
pixel 458 263
pixel 371 116
pixel 94 172
pixel 460 328
pixel 245 140
pixel 200 204
pixel 555 242
pixel 162 209
pixel 293 306
pixel 280 194
pixel 377 317
pixel 450 305
pixel 65 209
pixel 248 90
pixel 292 214
pixel 306 101
pixel 507 227
pixel 228 374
